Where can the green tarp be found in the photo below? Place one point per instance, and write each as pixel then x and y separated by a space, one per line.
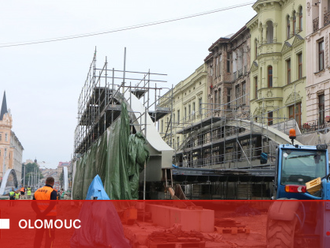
pixel 117 157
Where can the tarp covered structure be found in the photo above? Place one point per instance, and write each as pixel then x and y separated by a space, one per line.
pixel 102 227
pixel 96 190
pixel 117 157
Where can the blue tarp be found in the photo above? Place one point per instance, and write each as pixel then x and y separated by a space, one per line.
pixel 96 190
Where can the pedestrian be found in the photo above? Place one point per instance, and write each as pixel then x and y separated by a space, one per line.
pixel 12 194
pixel 22 190
pixel 29 193
pixel 17 194
pixel 11 197
pixel 63 194
pixel 45 211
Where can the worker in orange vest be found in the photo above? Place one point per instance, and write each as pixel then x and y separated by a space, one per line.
pixel 45 210
pixel 22 190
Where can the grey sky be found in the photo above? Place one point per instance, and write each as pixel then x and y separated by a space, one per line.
pixel 43 82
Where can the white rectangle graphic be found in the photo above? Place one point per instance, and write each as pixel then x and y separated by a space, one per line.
pixel 4 223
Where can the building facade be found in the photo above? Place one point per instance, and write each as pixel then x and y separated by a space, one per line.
pixel 228 75
pixel 187 100
pixel 317 73
pixel 278 61
pixel 11 149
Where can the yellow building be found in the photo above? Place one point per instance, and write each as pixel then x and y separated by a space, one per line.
pixel 187 100
pixel 10 147
pixel 278 56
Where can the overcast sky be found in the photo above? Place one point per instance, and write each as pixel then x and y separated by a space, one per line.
pixel 43 81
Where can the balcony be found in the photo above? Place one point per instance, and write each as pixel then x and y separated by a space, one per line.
pixel 315 24
pixel 327 18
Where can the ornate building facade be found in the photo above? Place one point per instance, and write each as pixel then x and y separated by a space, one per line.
pixel 228 75
pixel 278 61
pixel 11 149
pixel 318 71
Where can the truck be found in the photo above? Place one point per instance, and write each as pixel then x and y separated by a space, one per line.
pixel 300 216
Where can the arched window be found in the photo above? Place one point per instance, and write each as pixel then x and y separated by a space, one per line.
pixel 294 20
pixel 300 19
pixel 270 76
pixel 270 32
pixel 288 27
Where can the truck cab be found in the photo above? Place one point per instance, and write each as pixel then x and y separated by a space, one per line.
pixel 295 166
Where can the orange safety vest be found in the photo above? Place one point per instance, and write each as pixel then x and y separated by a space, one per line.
pixel 43 194
pixel 22 189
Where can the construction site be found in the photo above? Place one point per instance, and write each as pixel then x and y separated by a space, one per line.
pixel 231 156
pixel 218 157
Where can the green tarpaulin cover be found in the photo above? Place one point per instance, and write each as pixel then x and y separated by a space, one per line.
pixel 117 157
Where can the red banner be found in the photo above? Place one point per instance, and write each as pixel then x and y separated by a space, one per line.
pixel 159 224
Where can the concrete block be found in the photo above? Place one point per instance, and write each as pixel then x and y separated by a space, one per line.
pixel 201 220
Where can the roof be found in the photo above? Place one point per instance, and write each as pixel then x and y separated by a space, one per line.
pixel 3 106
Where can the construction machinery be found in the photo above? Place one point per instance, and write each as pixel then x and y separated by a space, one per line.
pixel 302 174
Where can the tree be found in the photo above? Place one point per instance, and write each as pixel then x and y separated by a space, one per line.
pixel 31 170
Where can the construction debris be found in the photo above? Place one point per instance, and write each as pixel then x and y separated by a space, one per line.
pixel 174 236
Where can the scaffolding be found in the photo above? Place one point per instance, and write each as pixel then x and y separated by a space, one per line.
pixel 219 156
pixel 101 96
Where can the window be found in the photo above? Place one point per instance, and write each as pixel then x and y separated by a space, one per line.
pixel 6 137
pixel 200 106
pixel 185 113
pixel 215 67
pixel 228 61
pixel 295 113
pixel 270 76
pixel 0 136
pixel 270 32
pixel 321 55
pixel 215 99
pixel 288 71
pixel 300 19
pixel 256 87
pixel 220 64
pixel 294 20
pixel 300 68
pixel 177 142
pixel 228 97
pixel 237 95
pixel 270 118
pixel 243 93
pixel 193 110
pixel 179 116
pixel 173 118
pixel 219 98
pixel 288 27
pixel 189 111
pixel 321 109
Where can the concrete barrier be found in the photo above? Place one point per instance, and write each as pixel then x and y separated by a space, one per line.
pixel 201 220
